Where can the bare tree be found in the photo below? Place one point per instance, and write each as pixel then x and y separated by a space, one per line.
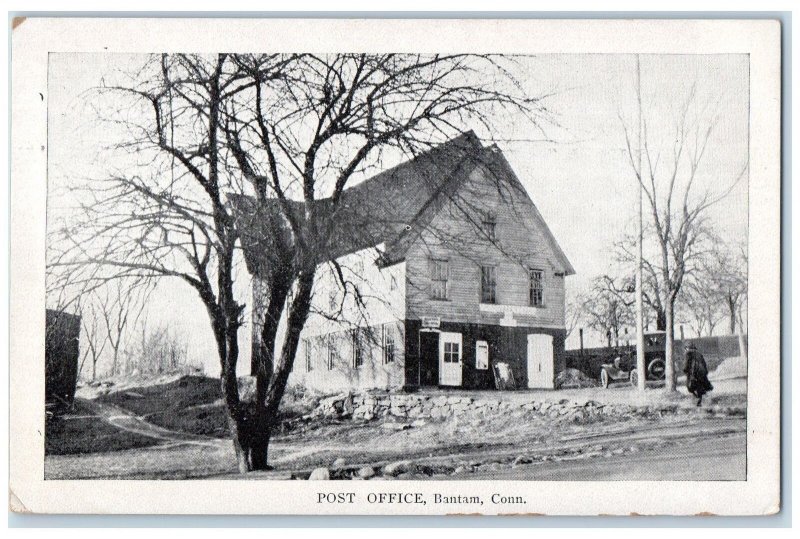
pixel 700 302
pixel 677 203
pixel 608 308
pixel 290 131
pixel 726 271
pixel 95 338
pixel 120 304
pixel 652 291
pixel 161 350
pixel 573 311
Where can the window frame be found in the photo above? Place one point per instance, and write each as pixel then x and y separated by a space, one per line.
pixel 436 272
pixel 478 346
pixel 329 342
pixel 358 350
pixel 489 225
pixel 531 288
pixel 387 359
pixel 486 281
pixel 308 355
pixel 454 352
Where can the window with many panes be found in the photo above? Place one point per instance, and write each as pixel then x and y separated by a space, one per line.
pixel 388 344
pixel 489 224
pixel 439 273
pixel 358 350
pixel 451 352
pixel 536 288
pixel 488 284
pixel 309 363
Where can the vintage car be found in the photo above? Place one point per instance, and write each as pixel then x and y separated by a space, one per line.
pixel 623 367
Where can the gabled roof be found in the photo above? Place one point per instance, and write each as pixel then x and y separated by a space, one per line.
pixel 391 208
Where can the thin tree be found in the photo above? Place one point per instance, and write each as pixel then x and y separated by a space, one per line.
pixel 677 202
pixel 120 305
pixel 94 338
pixel 607 309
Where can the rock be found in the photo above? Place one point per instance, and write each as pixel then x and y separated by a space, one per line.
pixel 347 406
pixel 365 473
pixel 521 459
pixel 419 423
pixel 338 463
pixel 396 426
pixel 319 474
pixel 396 468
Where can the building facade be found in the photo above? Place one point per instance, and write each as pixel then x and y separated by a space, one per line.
pixel 450 278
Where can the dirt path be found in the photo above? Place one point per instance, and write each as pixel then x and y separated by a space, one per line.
pixel 288 452
pixel 124 420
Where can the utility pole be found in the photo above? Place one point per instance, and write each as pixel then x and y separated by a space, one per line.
pixel 640 363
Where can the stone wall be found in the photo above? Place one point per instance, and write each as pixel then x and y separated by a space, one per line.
pixel 410 407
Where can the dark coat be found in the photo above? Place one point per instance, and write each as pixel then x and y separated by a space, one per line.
pixel 696 374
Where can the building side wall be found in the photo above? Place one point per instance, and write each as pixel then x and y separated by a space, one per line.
pixel 337 316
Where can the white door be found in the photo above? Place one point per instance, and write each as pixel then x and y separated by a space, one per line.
pixel 450 353
pixel 540 361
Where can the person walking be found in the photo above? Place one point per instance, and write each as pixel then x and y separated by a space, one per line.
pixel 696 372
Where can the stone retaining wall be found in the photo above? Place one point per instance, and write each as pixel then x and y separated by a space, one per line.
pixel 410 407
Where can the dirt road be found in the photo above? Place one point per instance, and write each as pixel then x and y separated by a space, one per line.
pixel 710 459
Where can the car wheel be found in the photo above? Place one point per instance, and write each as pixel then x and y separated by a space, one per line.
pixel 634 378
pixel 657 369
pixel 604 378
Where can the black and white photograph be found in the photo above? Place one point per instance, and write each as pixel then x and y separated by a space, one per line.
pixel 456 266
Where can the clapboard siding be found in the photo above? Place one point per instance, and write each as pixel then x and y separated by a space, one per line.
pixel 520 244
pixel 383 294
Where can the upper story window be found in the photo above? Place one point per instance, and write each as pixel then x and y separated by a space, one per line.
pixel 489 225
pixel 536 287
pixel 440 270
pixel 488 284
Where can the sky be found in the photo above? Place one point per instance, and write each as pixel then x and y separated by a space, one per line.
pixel 576 172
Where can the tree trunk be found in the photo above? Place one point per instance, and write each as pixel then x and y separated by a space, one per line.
pixel 661 320
pixel 669 345
pixel 732 320
pixel 251 433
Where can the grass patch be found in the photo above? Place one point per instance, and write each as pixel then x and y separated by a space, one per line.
pixel 192 404
pixel 81 431
pixel 189 404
